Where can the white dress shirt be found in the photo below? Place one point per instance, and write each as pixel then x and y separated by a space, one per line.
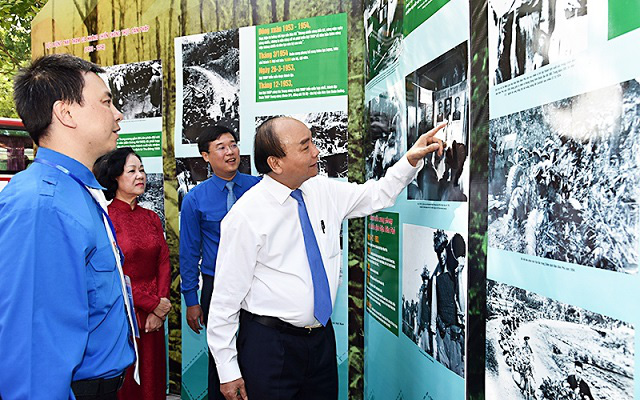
pixel 262 263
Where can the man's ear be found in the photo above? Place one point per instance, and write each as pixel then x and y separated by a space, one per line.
pixel 274 164
pixel 62 113
pixel 205 156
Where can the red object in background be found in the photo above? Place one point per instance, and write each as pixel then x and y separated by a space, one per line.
pixel 4 179
pixel 11 123
pixel 16 147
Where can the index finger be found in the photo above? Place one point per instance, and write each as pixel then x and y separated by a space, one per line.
pixel 435 130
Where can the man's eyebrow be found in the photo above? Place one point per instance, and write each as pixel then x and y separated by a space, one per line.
pixel 305 141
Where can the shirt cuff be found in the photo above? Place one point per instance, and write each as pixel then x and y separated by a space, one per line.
pixel 191 298
pixel 229 372
pixel 406 165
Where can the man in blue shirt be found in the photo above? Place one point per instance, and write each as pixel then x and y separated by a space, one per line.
pixel 64 329
pixel 202 210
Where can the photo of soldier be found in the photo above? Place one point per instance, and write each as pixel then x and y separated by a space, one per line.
pixel 209 83
pixel 447 311
pixel 136 88
pixel 440 115
pixel 456 108
pixel 556 183
pixel 433 294
pixel 436 93
pixel 525 35
pixel 577 384
pixel 447 108
pixel 540 348
pixel 383 34
pixel 384 140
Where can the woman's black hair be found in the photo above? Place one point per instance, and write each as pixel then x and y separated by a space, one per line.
pixel 109 167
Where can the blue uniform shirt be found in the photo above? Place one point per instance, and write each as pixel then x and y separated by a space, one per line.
pixel 202 210
pixel 62 315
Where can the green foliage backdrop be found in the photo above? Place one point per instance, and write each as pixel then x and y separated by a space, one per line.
pixel 15 46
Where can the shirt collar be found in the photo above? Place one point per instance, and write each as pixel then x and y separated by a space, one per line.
pixel 279 191
pixel 220 183
pixel 75 167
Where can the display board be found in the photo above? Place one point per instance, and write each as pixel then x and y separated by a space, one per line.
pixel 137 93
pixel 241 77
pixel 564 175
pixel 417 69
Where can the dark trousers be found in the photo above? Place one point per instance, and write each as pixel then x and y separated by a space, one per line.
pixel 97 389
pixel 205 301
pixel 279 365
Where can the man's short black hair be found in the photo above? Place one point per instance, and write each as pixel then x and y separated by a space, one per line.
pixel 266 144
pixel 212 134
pixel 49 79
pixel 109 167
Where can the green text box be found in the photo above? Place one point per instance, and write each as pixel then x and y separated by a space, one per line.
pixel 302 59
pixel 147 144
pixel 624 16
pixel 381 273
pixel 418 11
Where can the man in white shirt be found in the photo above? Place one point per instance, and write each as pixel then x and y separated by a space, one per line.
pixel 267 283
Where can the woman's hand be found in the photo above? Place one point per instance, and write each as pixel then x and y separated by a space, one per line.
pixel 153 324
pixel 163 308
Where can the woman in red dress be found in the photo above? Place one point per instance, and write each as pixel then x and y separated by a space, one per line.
pixel 141 237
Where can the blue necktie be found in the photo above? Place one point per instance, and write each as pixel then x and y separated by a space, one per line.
pixel 321 293
pixel 231 198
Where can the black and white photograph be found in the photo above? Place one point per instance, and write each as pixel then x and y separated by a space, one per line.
pixel 525 35
pixel 384 140
pixel 437 93
pixel 210 82
pixel 136 88
pixel 564 180
pixel 329 130
pixel 153 197
pixel 539 348
pixel 434 283
pixel 190 171
pixel 383 34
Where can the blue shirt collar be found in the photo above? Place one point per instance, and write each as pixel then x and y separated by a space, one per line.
pixel 75 167
pixel 219 182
